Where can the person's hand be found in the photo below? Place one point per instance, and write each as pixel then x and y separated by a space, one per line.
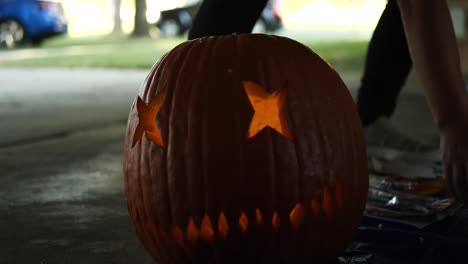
pixel 454 145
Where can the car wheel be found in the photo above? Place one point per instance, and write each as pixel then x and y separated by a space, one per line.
pixel 11 33
pixel 169 28
pixel 259 27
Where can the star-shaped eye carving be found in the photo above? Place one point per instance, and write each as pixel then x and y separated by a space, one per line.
pixel 268 110
pixel 147 120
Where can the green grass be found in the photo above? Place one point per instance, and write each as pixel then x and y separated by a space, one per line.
pixel 119 51
pixel 343 55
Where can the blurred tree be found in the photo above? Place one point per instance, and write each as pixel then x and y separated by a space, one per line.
pixel 117 20
pixel 141 24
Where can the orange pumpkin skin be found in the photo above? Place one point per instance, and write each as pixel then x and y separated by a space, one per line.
pixel 244 147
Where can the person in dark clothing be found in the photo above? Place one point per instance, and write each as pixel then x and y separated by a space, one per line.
pixel 407 35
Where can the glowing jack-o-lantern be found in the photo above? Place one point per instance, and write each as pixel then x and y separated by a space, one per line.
pixel 244 146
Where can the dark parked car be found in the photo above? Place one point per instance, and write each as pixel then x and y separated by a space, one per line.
pixel 176 22
pixel 30 20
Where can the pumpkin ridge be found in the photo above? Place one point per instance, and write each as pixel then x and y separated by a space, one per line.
pixel 139 181
pixel 147 86
pixel 154 222
pixel 290 119
pixel 177 184
pixel 323 149
pixel 207 51
pixel 339 192
pixel 328 203
pixel 143 215
pixel 151 88
pixel 194 163
pixel 273 171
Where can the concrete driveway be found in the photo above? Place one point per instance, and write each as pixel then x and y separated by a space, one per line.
pixel 61 183
pixel 38 103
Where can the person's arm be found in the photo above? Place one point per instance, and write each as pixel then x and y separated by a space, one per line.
pixel 434 51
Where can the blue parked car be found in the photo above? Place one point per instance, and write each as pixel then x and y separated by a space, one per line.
pixel 30 21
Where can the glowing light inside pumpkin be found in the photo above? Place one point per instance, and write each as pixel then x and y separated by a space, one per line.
pixel 316 209
pixel 223 226
pixel 320 206
pixel 192 232
pixel 177 234
pixel 243 223
pixel 275 221
pixel 206 229
pixel 268 108
pixel 297 216
pixel 258 216
pixel 147 119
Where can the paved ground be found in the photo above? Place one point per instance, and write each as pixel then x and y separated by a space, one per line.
pixel 61 183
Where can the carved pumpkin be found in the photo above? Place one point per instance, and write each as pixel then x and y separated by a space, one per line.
pixel 244 146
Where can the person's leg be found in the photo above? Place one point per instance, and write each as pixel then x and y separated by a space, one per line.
pixel 387 66
pixel 220 17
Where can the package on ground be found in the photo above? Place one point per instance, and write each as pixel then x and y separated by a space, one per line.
pixel 412 219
